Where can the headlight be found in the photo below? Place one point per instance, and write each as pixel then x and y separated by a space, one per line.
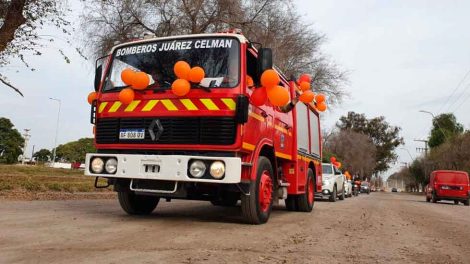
pixel 325 182
pixel 97 165
pixel 217 169
pixel 197 169
pixel 111 166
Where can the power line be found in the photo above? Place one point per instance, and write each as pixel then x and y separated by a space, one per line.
pixel 455 89
pixel 464 100
pixel 464 90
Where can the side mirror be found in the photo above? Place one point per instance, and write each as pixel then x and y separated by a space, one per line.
pixel 98 75
pixel 241 112
pixel 265 60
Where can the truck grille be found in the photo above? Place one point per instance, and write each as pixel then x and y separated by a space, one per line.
pixel 176 130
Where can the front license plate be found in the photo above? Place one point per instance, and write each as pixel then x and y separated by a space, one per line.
pixel 132 134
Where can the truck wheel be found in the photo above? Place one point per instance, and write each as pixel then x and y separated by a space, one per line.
pixel 433 197
pixel 456 202
pixel 257 206
pixel 137 204
pixel 333 195
pixel 307 200
pixel 341 197
pixel 466 202
pixel 428 199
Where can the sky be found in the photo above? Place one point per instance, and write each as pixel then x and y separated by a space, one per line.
pixel 402 57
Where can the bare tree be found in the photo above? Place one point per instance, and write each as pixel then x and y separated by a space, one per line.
pixel 355 150
pixel 273 23
pixel 19 24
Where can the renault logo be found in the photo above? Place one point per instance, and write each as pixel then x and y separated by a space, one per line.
pixel 155 129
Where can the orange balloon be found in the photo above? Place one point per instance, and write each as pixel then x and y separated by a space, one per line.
pixel 305 78
pixel 92 97
pixel 321 106
pixel 307 97
pixel 182 69
pixel 304 86
pixel 320 98
pixel 141 81
pixel 126 96
pixel 270 78
pixel 127 76
pixel 249 81
pixel 333 159
pixel 180 87
pixel 196 74
pixel 338 164
pixel 278 96
pixel 259 96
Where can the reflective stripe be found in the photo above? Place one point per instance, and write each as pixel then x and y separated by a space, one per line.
pixel 284 156
pixel 115 107
pixel 188 104
pixel 209 104
pixel 283 130
pixel 256 116
pixel 248 146
pixel 102 107
pixel 229 103
pixel 150 105
pixel 169 105
pixel 132 106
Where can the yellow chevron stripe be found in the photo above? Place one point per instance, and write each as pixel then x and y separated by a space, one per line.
pixel 131 107
pixel 229 102
pixel 102 107
pixel 248 146
pixel 284 156
pixel 209 104
pixel 169 105
pixel 150 105
pixel 188 104
pixel 256 116
pixel 115 107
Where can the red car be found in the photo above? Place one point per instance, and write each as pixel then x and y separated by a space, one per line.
pixel 448 185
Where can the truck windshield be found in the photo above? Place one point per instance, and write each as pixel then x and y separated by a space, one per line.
pixel 218 56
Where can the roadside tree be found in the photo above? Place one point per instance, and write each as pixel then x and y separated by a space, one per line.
pixel 75 151
pixel 444 126
pixel 11 142
pixel 42 155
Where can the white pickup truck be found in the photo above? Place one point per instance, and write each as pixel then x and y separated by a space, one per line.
pixel 333 182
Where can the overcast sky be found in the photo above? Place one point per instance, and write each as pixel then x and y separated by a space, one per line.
pixel 403 56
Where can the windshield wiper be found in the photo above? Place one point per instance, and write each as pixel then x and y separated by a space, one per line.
pixel 207 89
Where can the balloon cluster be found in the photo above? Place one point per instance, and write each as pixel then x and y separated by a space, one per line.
pixel 277 95
pixel 136 80
pixel 308 96
pixel 335 162
pixel 186 74
pixel 92 97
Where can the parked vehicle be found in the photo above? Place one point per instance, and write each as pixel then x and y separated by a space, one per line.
pixel 348 187
pixel 333 182
pixel 204 140
pixel 355 188
pixel 394 189
pixel 448 185
pixel 365 188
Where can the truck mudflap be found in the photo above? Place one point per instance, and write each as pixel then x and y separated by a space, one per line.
pixel 165 167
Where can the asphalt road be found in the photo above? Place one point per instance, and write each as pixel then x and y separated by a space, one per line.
pixel 376 228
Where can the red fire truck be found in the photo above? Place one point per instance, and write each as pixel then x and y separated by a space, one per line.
pixel 211 144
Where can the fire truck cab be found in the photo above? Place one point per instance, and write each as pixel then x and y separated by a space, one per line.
pixel 211 144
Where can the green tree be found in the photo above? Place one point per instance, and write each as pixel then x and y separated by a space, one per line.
pixel 385 137
pixel 75 151
pixel 42 155
pixel 11 142
pixel 444 127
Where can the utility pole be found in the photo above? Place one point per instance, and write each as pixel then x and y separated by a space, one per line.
pixel 26 137
pixel 32 153
pixel 56 131
pixel 425 146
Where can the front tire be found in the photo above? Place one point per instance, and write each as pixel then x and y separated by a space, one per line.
pixel 466 202
pixel 333 195
pixel 137 204
pixel 257 206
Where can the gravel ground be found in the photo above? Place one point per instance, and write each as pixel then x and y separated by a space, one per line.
pixel 375 228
